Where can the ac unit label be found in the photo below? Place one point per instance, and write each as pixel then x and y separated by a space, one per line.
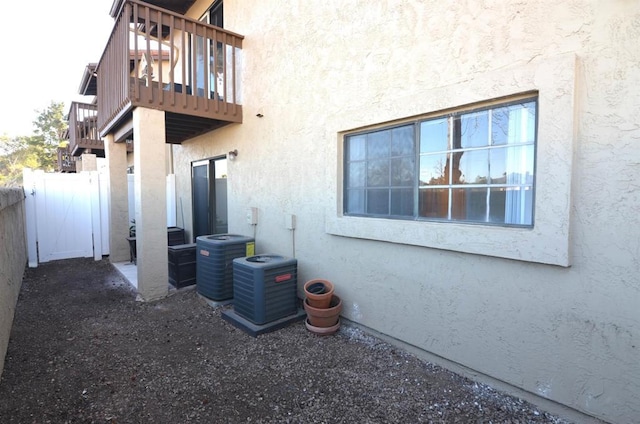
pixel 283 277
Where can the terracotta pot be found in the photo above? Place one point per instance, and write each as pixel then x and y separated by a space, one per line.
pixel 322 331
pixel 318 293
pixel 324 317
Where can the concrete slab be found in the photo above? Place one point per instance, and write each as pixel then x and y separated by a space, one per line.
pixel 255 330
pixel 215 303
pixel 129 271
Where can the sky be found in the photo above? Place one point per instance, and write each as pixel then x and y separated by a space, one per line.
pixel 44 48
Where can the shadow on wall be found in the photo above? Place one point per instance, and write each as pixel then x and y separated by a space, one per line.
pixel 13 259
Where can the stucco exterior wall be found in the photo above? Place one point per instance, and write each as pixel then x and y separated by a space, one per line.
pixel 556 315
pixel 13 258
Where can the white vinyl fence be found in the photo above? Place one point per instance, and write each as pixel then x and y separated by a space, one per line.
pixel 171 199
pixel 67 215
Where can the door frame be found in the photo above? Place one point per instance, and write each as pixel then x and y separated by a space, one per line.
pixel 211 193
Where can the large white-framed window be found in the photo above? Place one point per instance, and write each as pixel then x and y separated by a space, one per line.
pixel 474 165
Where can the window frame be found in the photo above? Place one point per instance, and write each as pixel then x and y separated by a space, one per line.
pixel 556 80
pixel 450 116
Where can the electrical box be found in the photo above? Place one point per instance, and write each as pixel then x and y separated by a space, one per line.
pixel 290 222
pixel 252 216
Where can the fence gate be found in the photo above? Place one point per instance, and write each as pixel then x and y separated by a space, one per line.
pixel 64 216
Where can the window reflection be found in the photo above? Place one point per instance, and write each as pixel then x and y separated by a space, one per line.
pixel 378 173
pixel 434 135
pixel 511 165
pixel 357 148
pixel 355 201
pixel 473 167
pixel 469 204
pixel 402 202
pixel 356 174
pixel 378 202
pixel 432 169
pixel 471 130
pixel 378 144
pixel 402 171
pixel 402 141
pixel 513 124
pixel 434 203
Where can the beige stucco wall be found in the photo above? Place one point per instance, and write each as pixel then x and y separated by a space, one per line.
pixel 553 311
pixel 150 202
pixel 13 258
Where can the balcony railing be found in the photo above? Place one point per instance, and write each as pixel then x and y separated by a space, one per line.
pixel 83 129
pixel 158 59
pixel 66 162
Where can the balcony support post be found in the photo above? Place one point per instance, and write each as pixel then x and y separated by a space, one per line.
pixel 116 155
pixel 151 204
pixel 88 162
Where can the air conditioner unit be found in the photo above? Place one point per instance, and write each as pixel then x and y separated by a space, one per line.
pixel 265 287
pixel 214 263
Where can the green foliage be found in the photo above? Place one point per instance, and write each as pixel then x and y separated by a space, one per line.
pixel 15 155
pixel 37 151
pixel 50 124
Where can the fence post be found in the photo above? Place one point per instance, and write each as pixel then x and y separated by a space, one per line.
pixel 96 227
pixel 29 187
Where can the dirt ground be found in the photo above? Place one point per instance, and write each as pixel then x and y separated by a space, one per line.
pixel 82 349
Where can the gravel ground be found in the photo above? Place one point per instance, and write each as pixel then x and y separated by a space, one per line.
pixel 82 349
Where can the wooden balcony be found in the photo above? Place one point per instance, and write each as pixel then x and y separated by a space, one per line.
pixel 83 130
pixel 66 162
pixel 159 59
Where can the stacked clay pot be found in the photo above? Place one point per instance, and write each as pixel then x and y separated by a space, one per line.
pixel 322 306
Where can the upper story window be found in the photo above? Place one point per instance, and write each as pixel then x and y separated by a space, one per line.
pixel 214 15
pixel 473 166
